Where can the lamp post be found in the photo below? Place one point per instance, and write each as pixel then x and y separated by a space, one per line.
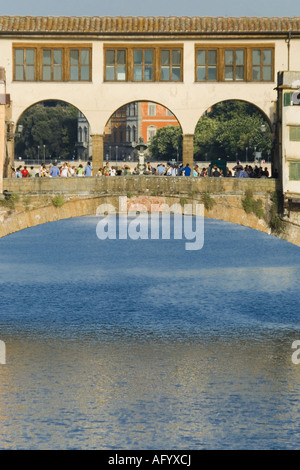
pixel 44 152
pixel 263 129
pixel 38 147
pixel 116 152
pixel 246 154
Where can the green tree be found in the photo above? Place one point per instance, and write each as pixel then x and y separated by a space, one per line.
pixel 166 143
pixel 50 123
pixel 228 128
pixel 206 143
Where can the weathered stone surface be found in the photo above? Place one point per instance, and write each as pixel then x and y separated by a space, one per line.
pixel 165 184
pixel 82 196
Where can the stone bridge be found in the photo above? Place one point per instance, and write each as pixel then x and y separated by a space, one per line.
pixel 36 201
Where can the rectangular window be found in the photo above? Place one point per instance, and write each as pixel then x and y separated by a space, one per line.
pixel 242 62
pixel 79 64
pixel 59 62
pixel 143 63
pixel 151 109
pixel 295 133
pixel 206 65
pixel 170 65
pixel 165 65
pixel 151 132
pixel 294 171
pixel 287 98
pixel 25 64
pixel 262 68
pixel 115 68
pixel 176 66
pixel 52 65
pixel 234 64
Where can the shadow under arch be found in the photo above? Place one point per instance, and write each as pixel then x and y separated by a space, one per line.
pixel 234 129
pixel 44 211
pixel 135 121
pixel 52 129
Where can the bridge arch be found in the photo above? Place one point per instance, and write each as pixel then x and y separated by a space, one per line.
pixel 131 122
pixel 233 129
pixel 264 112
pixel 42 200
pixel 52 128
pixel 77 207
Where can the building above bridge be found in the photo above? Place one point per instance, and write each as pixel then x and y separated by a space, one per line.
pixel 186 64
pixel 130 25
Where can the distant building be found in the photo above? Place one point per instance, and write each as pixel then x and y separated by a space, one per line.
pixel 289 135
pixel 107 66
pixel 133 121
pixel 83 144
pixel 121 133
pixel 153 116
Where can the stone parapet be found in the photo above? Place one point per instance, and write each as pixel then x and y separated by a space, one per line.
pixel 35 203
pixel 163 185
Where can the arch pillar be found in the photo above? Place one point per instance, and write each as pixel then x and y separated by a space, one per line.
pixel 4 100
pixel 188 149
pixel 2 144
pixel 97 150
pixel 9 158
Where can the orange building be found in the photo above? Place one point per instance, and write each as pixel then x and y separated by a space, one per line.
pixel 151 117
pixel 131 122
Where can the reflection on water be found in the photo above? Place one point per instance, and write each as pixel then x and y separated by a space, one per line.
pixel 237 393
pixel 142 345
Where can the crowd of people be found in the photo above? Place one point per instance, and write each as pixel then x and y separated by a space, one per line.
pixel 53 171
pixel 161 169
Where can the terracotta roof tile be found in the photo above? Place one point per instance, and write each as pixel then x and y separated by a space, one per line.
pixel 144 25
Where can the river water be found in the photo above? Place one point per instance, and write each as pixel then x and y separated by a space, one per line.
pixel 141 344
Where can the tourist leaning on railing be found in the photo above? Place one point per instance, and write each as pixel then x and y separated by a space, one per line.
pixel 66 171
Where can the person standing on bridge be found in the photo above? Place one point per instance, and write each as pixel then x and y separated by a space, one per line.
pixel 25 172
pixel 18 173
pixel 195 171
pixel 54 172
pixel 80 170
pixel 186 170
pixel 88 169
pixel 160 169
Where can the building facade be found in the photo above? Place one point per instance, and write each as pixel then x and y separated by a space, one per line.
pixel 187 65
pixel 84 144
pixel 152 117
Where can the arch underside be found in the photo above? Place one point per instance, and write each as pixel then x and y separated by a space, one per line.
pixel 89 206
pixel 186 118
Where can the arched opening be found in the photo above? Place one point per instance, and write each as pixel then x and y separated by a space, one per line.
pixel 231 131
pixel 146 121
pixel 52 130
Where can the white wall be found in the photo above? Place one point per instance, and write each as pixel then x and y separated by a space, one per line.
pixel 98 100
